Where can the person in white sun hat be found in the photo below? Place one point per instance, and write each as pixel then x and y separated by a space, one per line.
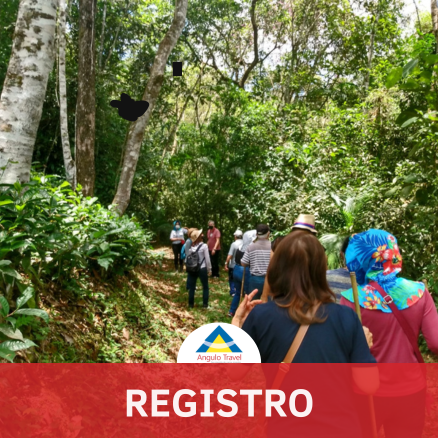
pixel 305 222
pixel 231 259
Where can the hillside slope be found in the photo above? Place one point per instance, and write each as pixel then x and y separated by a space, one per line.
pixel 142 317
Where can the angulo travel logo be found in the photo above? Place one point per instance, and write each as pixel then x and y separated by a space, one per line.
pixel 219 343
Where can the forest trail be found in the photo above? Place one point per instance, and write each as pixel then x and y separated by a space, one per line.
pixel 141 317
pixel 138 318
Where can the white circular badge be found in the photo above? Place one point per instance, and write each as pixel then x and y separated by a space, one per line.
pixel 219 343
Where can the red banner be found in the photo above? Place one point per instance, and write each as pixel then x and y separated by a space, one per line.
pixel 217 400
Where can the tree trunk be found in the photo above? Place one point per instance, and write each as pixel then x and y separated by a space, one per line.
pixel 69 164
pixel 434 12
pixel 24 89
pixel 102 35
pixel 371 47
pixel 86 100
pixel 137 129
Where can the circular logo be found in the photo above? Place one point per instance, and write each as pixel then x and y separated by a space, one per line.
pixel 219 343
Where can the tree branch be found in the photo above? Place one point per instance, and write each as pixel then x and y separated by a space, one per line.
pixel 256 46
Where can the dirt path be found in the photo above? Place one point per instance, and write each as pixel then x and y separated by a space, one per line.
pixel 142 317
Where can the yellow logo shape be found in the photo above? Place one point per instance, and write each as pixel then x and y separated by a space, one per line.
pixel 219 346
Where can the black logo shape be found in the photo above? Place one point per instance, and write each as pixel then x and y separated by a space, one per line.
pixel 129 109
pixel 177 68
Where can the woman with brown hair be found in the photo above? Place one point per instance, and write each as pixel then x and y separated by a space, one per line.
pixel 301 297
pixel 297 278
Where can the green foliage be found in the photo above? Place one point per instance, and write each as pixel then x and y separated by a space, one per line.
pixel 11 338
pixel 51 234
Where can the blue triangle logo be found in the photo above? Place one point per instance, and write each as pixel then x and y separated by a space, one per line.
pixel 219 341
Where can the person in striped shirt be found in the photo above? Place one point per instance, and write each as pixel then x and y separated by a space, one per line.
pixel 257 257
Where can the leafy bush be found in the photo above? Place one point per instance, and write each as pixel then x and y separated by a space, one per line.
pixel 49 234
pixel 11 337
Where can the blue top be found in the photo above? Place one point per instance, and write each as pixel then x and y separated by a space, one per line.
pixel 339 281
pixel 340 339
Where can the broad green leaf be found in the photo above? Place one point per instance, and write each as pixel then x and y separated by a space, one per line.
pixel 409 122
pixel 25 297
pixel 431 59
pixel 391 192
pixel 104 262
pixel 33 312
pixel 406 191
pixel 6 201
pixel 11 333
pixel 413 177
pixel 18 345
pixel 406 115
pixel 4 306
pixel 11 272
pixel 104 247
pixel 5 262
pixel 64 184
pixel 98 234
pixel 407 69
pixel 7 354
pixel 394 76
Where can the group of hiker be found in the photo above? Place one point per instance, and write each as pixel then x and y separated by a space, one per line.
pixel 202 260
pixel 297 311
pixel 298 320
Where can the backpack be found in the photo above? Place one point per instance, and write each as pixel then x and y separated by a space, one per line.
pixel 192 263
pixel 238 258
pixel 183 249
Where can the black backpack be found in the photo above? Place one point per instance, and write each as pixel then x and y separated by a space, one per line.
pixel 239 255
pixel 192 262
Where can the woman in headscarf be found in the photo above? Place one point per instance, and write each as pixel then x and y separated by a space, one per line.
pixel 247 239
pixel 177 239
pixel 387 301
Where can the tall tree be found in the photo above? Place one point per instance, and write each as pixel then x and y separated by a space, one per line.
pixel 69 164
pixel 86 99
pixel 136 130
pixel 24 89
pixel 371 46
pixel 434 13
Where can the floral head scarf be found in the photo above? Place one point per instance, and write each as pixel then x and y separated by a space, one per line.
pixel 374 256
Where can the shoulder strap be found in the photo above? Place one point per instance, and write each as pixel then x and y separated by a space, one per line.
pixel 197 249
pixel 407 329
pixel 296 343
pixel 290 355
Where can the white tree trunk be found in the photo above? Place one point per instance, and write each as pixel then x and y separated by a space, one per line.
pixel 153 87
pixel 24 89
pixel 69 164
pixel 86 98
